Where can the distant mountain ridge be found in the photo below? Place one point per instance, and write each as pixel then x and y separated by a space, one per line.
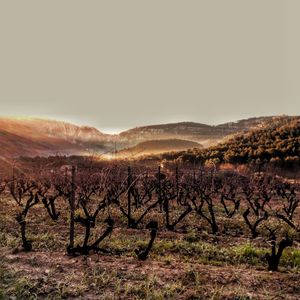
pixel 31 137
pixel 34 136
pixel 278 143
pixel 196 132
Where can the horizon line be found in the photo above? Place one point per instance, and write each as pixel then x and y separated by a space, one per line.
pixel 119 129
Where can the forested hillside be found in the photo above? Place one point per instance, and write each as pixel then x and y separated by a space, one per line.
pixel 278 144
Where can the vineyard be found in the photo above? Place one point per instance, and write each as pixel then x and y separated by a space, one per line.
pixel 136 232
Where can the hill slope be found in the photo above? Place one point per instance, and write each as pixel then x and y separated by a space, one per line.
pixel 201 133
pixel 158 146
pixel 30 137
pixel 278 143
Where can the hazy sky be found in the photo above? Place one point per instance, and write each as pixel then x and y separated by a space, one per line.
pixel 119 64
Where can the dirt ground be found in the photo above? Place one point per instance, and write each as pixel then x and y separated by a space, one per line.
pixel 55 275
pixel 190 263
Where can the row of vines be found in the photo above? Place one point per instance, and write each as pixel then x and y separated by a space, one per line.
pixel 157 200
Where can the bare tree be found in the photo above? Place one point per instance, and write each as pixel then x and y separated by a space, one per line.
pixel 290 203
pixel 258 193
pixel 143 254
pixel 49 195
pixel 203 200
pixel 273 259
pixel 93 197
pixel 228 192
pixel 25 195
pixel 141 188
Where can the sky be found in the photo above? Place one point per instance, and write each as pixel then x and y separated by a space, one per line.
pixel 121 64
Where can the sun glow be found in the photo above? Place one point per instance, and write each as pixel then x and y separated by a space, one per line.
pixel 112 130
